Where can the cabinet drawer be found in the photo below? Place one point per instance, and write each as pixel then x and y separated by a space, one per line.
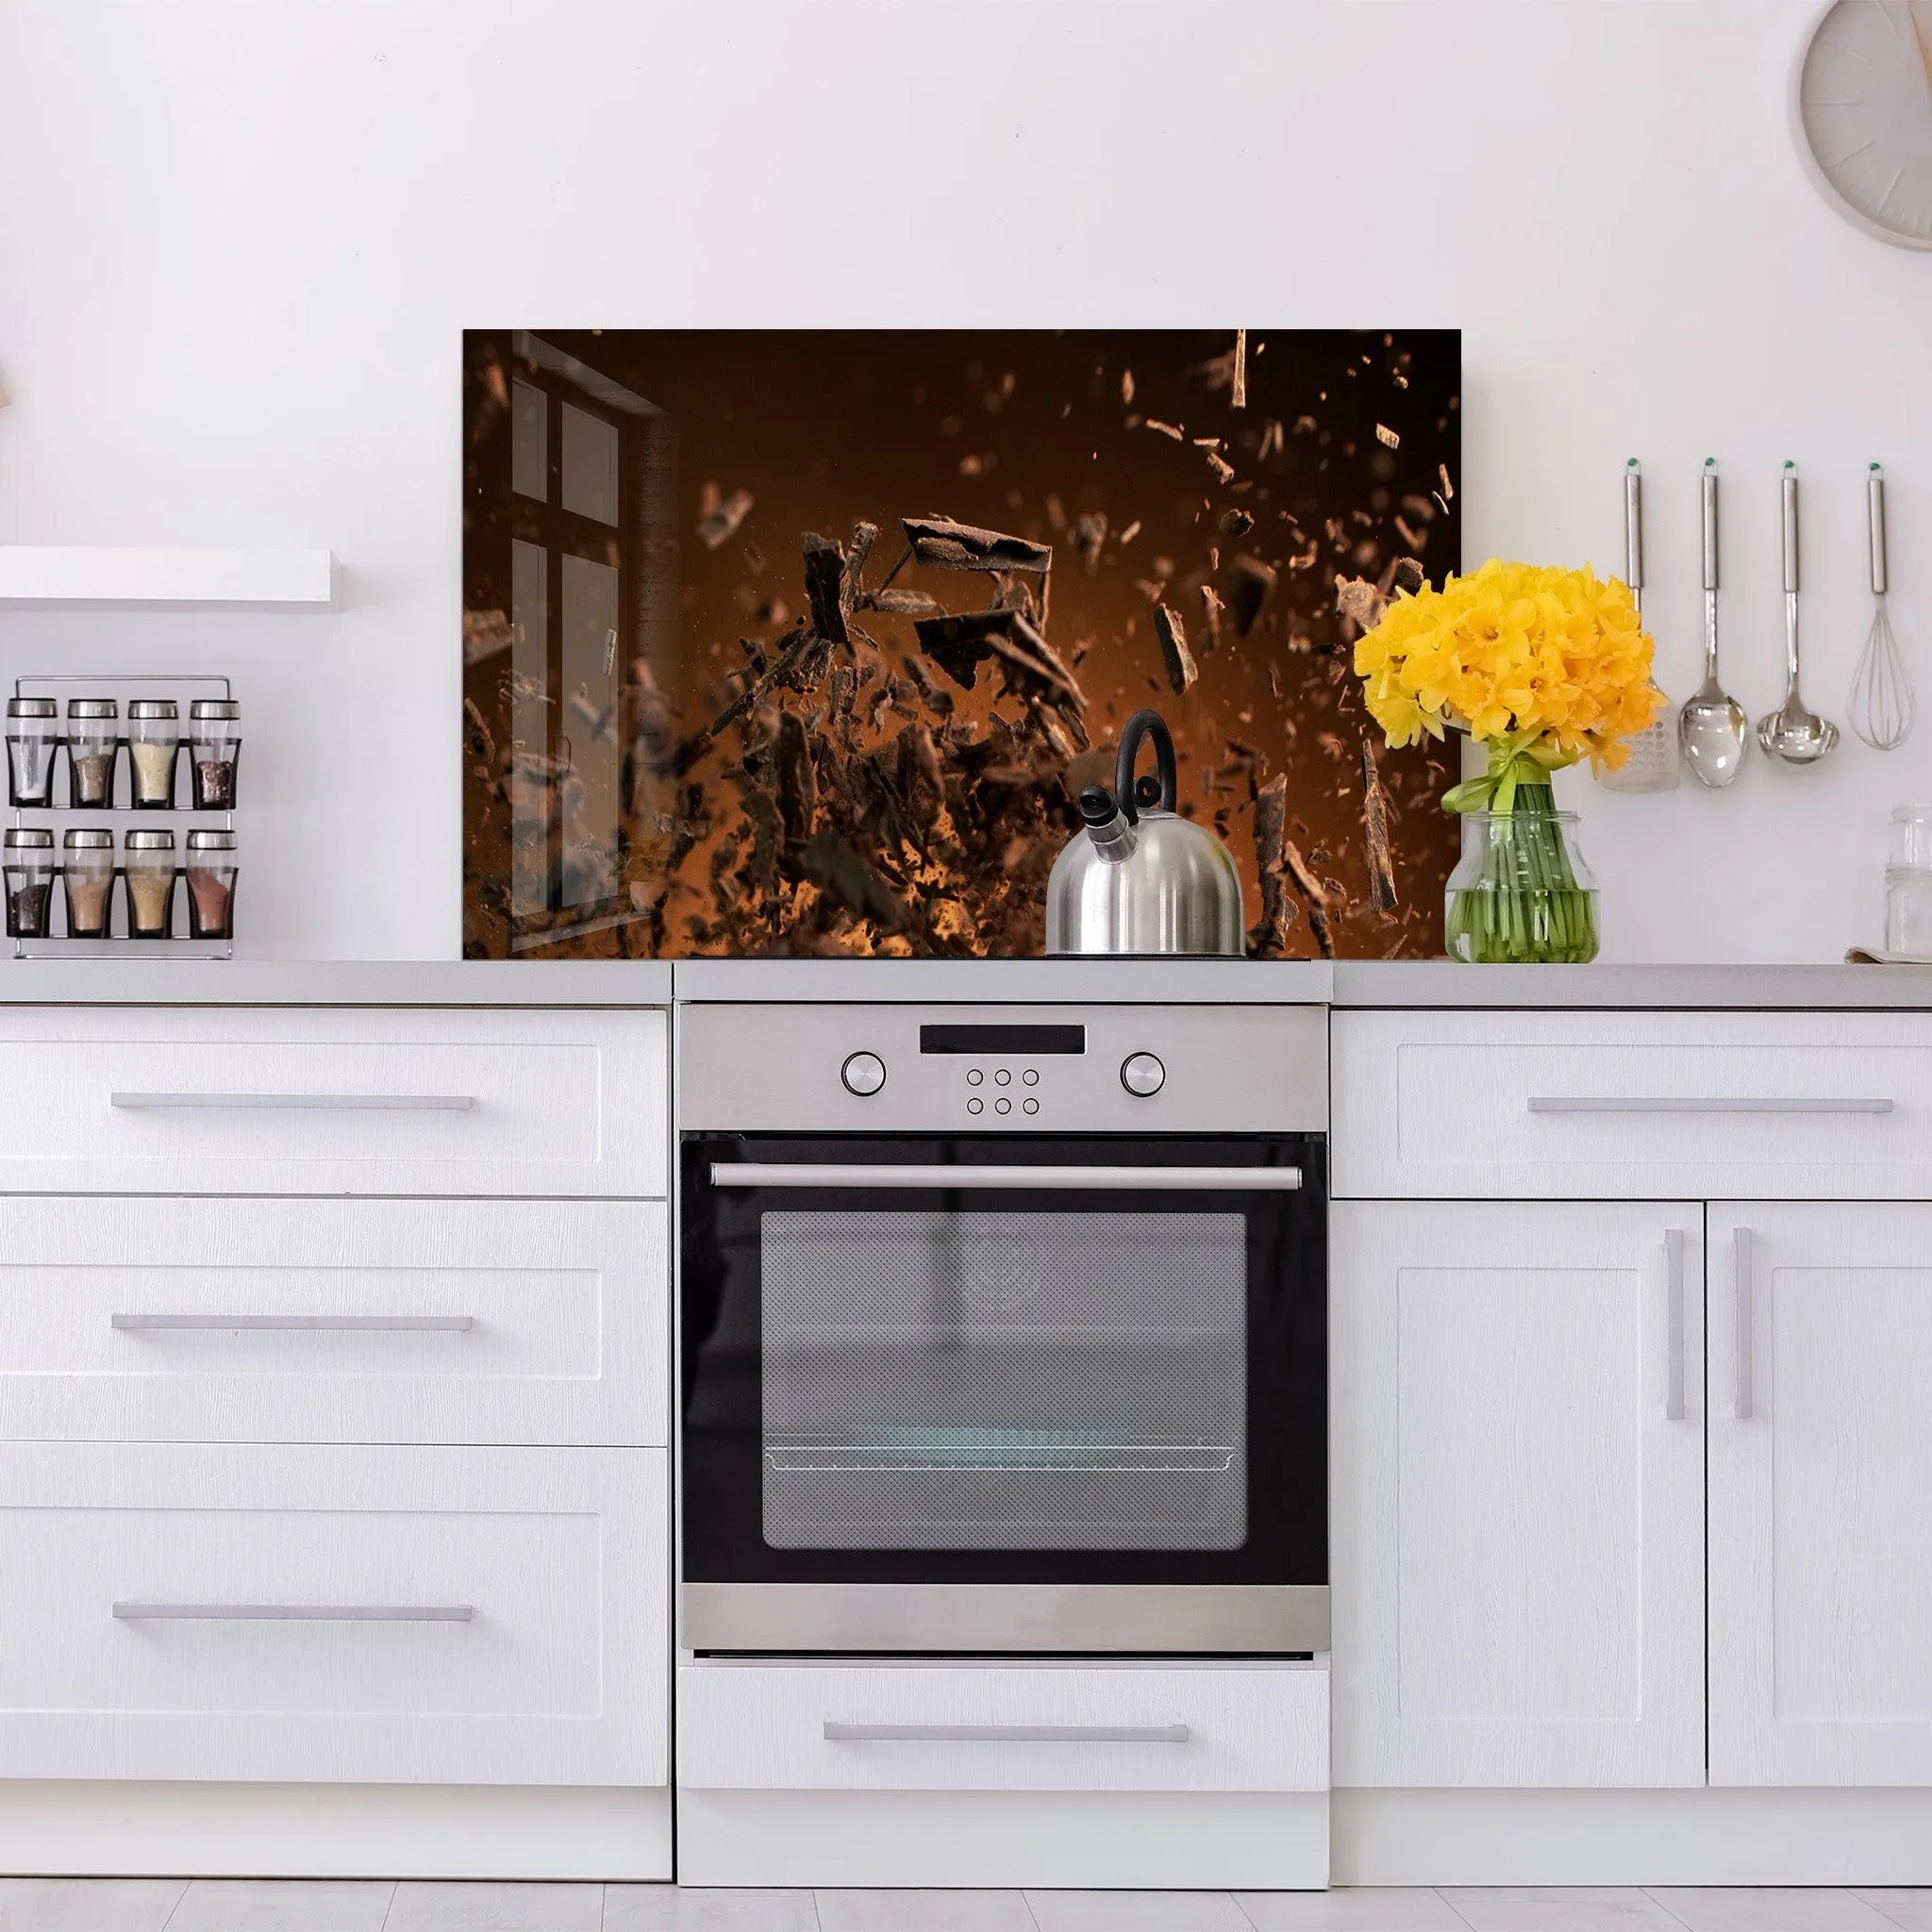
pixel 1583 1106
pixel 863 1726
pixel 332 1101
pixel 140 1318
pixel 448 1616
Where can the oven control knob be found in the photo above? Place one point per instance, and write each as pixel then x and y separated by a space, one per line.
pixel 1143 1074
pixel 863 1074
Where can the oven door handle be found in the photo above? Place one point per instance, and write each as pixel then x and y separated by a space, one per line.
pixel 1241 1180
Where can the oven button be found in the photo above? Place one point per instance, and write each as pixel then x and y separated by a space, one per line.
pixel 863 1074
pixel 1003 1078
pixel 1143 1074
pixel 1031 1105
pixel 975 1104
pixel 1031 1077
pixel 1003 1105
pixel 973 1076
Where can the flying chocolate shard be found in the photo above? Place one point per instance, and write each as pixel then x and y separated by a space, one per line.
pixel 1382 894
pixel 824 586
pixel 1179 660
pixel 939 543
pixel 958 645
pixel 1253 592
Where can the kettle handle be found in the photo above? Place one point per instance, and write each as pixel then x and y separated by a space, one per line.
pixel 1145 724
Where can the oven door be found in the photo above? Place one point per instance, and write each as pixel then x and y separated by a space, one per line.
pixel 1039 1392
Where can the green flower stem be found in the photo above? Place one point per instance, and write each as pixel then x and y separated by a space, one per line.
pixel 1527 906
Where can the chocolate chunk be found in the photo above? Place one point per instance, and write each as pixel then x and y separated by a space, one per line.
pixel 824 586
pixel 1253 591
pixel 1173 635
pixel 939 543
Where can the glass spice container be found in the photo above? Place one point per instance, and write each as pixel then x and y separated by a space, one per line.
pixel 29 868
pixel 94 741
pixel 148 861
pixel 86 871
pixel 33 735
pixel 211 869
pixel 1908 884
pixel 214 746
pixel 154 746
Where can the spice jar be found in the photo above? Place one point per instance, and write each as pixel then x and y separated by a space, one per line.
pixel 93 741
pixel 1908 884
pixel 211 867
pixel 154 743
pixel 214 746
pixel 33 735
pixel 86 871
pixel 29 868
pixel 148 860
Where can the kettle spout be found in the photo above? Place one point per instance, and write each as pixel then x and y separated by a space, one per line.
pixel 1114 838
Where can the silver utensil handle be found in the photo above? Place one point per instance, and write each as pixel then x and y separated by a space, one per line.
pixel 756 1174
pixel 1790 503
pixel 1710 523
pixel 1875 506
pixel 837 1733
pixel 1741 1280
pixel 306 1324
pixel 326 1103
pixel 1558 1103
pixel 295 1613
pixel 1633 526
pixel 1674 1324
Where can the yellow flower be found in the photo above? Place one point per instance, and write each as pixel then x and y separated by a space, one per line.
pixel 1556 660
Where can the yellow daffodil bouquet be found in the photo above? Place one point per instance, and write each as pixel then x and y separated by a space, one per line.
pixel 1544 667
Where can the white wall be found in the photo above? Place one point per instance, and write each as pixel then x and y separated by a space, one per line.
pixel 238 242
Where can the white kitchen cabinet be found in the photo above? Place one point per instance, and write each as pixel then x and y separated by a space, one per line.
pixel 1518 1494
pixel 387 1616
pixel 197 1319
pixel 333 1101
pixel 1820 1494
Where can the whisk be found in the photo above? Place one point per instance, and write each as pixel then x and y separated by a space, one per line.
pixel 1882 707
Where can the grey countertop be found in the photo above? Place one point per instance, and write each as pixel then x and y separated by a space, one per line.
pixel 1368 983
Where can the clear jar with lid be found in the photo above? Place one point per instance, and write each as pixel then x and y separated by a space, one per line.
pixel 29 868
pixel 1909 883
pixel 33 735
pixel 214 748
pixel 149 865
pixel 154 747
pixel 87 872
pixel 94 742
pixel 212 870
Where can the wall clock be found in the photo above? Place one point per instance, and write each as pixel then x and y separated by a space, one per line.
pixel 1861 113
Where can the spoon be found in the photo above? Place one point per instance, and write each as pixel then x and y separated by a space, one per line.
pixel 1793 734
pixel 1712 725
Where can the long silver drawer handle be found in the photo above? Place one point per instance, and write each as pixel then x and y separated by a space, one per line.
pixel 296 1613
pixel 1674 1324
pixel 1740 1275
pixel 328 1103
pixel 753 1174
pixel 379 1324
pixel 1563 1103
pixel 837 1733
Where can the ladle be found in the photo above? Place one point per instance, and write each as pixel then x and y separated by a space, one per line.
pixel 1798 736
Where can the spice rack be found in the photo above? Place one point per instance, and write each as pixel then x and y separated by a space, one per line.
pixel 120 814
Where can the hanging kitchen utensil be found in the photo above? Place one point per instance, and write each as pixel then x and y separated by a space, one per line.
pixel 1883 706
pixel 1652 765
pixel 1137 877
pixel 1712 729
pixel 1792 733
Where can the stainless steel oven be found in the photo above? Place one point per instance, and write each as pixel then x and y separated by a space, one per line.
pixel 1003 1328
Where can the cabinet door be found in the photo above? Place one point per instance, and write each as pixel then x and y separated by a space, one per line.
pixel 1518 1494
pixel 1821 1552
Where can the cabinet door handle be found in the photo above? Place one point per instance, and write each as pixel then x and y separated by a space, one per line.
pixel 1568 1103
pixel 295 1613
pixel 1740 1277
pixel 322 1103
pixel 838 1733
pixel 1674 1324
pixel 306 1324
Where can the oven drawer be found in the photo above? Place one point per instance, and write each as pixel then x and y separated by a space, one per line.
pixel 332 1101
pixel 855 1726
pixel 140 1318
pixel 1606 1105
pixel 448 1616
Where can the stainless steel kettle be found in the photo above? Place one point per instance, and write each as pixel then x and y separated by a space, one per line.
pixel 1137 877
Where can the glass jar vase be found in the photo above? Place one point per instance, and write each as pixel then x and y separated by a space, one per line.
pixel 1521 894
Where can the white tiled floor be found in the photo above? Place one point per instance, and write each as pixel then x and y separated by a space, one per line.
pixel 173 1904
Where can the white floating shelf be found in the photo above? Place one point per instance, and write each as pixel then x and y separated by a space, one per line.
pixel 53 576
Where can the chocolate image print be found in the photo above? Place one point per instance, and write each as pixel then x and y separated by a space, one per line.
pixel 804 642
